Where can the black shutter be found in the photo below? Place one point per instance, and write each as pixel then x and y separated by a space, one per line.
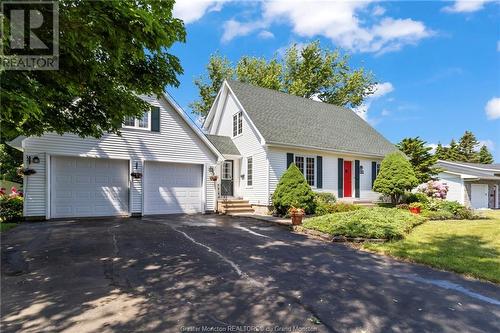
pixel 341 178
pixel 319 170
pixel 155 119
pixel 289 159
pixel 356 178
pixel 374 172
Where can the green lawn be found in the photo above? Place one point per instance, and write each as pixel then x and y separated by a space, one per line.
pixel 7 226
pixel 468 247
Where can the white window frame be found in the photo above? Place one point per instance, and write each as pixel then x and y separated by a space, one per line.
pixel 305 157
pixel 136 123
pixel 249 174
pixel 238 126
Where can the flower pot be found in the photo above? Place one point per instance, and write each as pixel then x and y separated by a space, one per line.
pixel 136 175
pixel 214 178
pixel 297 219
pixel 415 210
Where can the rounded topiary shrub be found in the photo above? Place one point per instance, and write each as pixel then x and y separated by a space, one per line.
pixel 293 191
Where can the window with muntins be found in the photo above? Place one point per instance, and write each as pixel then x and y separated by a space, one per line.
pixel 249 171
pixel 237 123
pixel 307 165
pixel 143 122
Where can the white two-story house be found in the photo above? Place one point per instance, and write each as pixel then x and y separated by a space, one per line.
pixel 260 132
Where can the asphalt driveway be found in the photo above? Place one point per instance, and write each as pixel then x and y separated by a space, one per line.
pixel 193 273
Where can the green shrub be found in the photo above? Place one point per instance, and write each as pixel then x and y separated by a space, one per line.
pixel 409 198
pixel 11 208
pixel 450 206
pixel 339 207
pixel 403 206
pixel 465 214
pixel 325 197
pixel 293 191
pixel 438 215
pixel 396 176
pixel 387 223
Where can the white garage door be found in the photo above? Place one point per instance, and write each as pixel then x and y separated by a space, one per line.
pixel 171 188
pixel 479 196
pixel 83 187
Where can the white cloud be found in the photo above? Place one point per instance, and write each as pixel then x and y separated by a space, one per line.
pixel 433 147
pixel 265 34
pixel 465 6
pixel 378 11
pixel 492 108
pixel 488 143
pixel 233 29
pixel 385 112
pixel 192 10
pixel 338 21
pixel 380 89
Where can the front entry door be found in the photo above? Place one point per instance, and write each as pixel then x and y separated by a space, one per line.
pixel 226 182
pixel 347 179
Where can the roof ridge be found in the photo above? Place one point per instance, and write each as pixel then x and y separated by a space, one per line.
pixel 291 95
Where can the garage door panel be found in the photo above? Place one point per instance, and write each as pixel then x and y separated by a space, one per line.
pixel 172 188
pixel 88 187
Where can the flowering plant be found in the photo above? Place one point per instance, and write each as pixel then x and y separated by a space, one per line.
pixel 434 189
pixel 11 205
pixel 296 211
pixel 415 205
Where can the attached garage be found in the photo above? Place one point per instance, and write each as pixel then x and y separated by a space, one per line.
pixel 82 187
pixel 171 188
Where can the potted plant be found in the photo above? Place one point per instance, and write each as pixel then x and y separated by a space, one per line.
pixel 297 214
pixel 415 207
pixel 214 178
pixel 22 171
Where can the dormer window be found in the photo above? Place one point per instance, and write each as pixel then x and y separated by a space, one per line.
pixel 237 124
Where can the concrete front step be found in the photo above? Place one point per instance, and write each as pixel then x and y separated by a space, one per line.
pixel 239 209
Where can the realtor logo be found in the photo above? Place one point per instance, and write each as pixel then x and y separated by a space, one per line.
pixel 30 35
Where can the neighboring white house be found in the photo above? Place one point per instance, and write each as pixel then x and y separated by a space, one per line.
pixel 261 132
pixel 473 185
pixel 78 177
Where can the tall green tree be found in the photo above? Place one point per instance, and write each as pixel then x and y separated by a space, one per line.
pixel 453 152
pixel 10 160
pixel 110 52
pixel 308 72
pixel 441 152
pixel 396 176
pixel 467 148
pixel 421 158
pixel 484 155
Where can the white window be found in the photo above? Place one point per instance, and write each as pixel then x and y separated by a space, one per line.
pixel 249 171
pixel 237 123
pixel 143 122
pixel 307 165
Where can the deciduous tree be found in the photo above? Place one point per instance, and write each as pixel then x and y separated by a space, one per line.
pixel 110 52
pixel 308 72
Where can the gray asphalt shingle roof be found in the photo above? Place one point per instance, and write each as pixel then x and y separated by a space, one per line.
pixel 291 120
pixel 224 144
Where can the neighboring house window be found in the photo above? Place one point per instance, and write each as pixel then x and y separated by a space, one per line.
pixel 143 122
pixel 249 171
pixel 307 166
pixel 237 123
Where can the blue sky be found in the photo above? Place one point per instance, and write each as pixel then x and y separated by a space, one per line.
pixel 437 63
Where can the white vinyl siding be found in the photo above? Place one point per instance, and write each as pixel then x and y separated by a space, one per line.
pixel 277 166
pixel 176 142
pixel 248 144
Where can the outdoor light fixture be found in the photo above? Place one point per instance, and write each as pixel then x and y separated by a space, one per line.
pixel 36 159
pixel 361 170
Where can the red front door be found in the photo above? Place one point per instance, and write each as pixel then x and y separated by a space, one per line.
pixel 347 179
